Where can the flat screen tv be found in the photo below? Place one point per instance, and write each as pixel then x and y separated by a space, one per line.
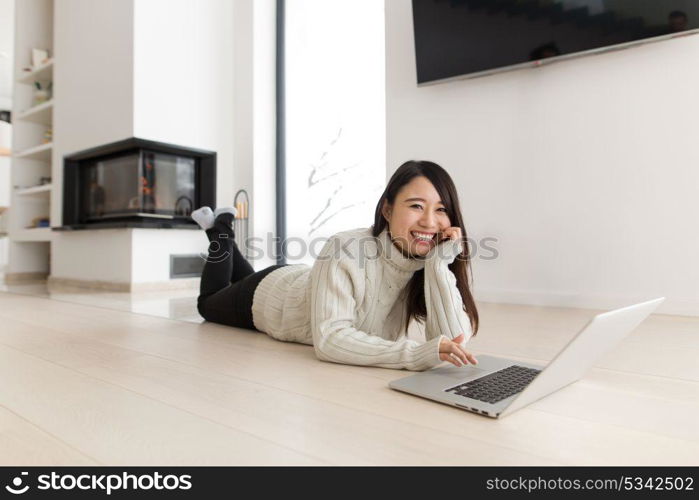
pixel 466 38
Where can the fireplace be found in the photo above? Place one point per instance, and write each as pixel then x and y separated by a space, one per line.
pixel 137 183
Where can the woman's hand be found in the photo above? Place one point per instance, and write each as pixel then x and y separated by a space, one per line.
pixel 451 350
pixel 449 246
pixel 451 233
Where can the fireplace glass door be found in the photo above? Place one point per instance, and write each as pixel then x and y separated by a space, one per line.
pixel 140 183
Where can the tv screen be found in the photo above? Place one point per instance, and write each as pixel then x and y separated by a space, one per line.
pixel 475 37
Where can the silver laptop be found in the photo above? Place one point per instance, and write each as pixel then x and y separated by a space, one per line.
pixel 498 386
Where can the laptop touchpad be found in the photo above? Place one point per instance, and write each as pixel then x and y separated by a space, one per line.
pixel 463 373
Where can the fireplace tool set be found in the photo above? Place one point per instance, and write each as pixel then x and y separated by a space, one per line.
pixel 241 201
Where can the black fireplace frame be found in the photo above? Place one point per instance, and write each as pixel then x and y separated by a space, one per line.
pixel 205 180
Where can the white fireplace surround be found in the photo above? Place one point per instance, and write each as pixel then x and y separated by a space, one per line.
pixel 208 103
pixel 127 259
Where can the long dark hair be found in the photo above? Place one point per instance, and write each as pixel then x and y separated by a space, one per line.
pixel 461 267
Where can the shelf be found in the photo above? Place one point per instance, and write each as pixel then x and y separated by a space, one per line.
pixel 32 149
pixel 43 72
pixel 43 188
pixel 41 113
pixel 32 234
pixel 42 152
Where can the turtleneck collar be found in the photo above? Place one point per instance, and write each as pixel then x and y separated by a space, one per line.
pixel 394 257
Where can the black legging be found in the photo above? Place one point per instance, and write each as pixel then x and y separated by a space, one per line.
pixel 228 281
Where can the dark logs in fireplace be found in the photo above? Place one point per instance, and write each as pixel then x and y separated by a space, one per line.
pixel 137 183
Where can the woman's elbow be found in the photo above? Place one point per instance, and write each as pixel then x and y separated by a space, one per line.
pixel 319 347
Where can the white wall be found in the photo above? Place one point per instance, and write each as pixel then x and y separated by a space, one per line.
pixel 215 60
pixel 263 118
pixel 93 95
pixel 5 164
pixel 7 34
pixel 242 97
pixel 254 133
pixel 93 80
pixel 5 131
pixel 584 170
pixel 183 78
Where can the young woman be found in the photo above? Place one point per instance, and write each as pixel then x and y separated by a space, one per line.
pixel 354 305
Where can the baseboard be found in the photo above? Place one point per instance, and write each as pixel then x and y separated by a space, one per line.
pixel 111 286
pixel 116 286
pixel 23 278
pixel 673 306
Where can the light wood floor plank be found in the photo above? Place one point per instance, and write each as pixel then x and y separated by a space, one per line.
pixel 24 444
pixel 256 359
pixel 120 427
pixel 528 337
pixel 338 433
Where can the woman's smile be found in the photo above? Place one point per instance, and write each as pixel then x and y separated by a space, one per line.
pixel 423 238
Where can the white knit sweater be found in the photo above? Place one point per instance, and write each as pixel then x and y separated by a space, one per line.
pixel 351 304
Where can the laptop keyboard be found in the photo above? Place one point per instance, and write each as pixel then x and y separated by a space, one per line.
pixel 498 385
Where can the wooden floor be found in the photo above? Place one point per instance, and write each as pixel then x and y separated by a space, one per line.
pixel 86 385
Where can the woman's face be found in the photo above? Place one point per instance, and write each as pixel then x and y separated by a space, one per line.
pixel 416 217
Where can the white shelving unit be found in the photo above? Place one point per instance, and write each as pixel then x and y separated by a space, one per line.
pixel 32 149
pixel 5 191
pixel 33 190
pixel 41 153
pixel 40 234
pixel 41 113
pixel 42 72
